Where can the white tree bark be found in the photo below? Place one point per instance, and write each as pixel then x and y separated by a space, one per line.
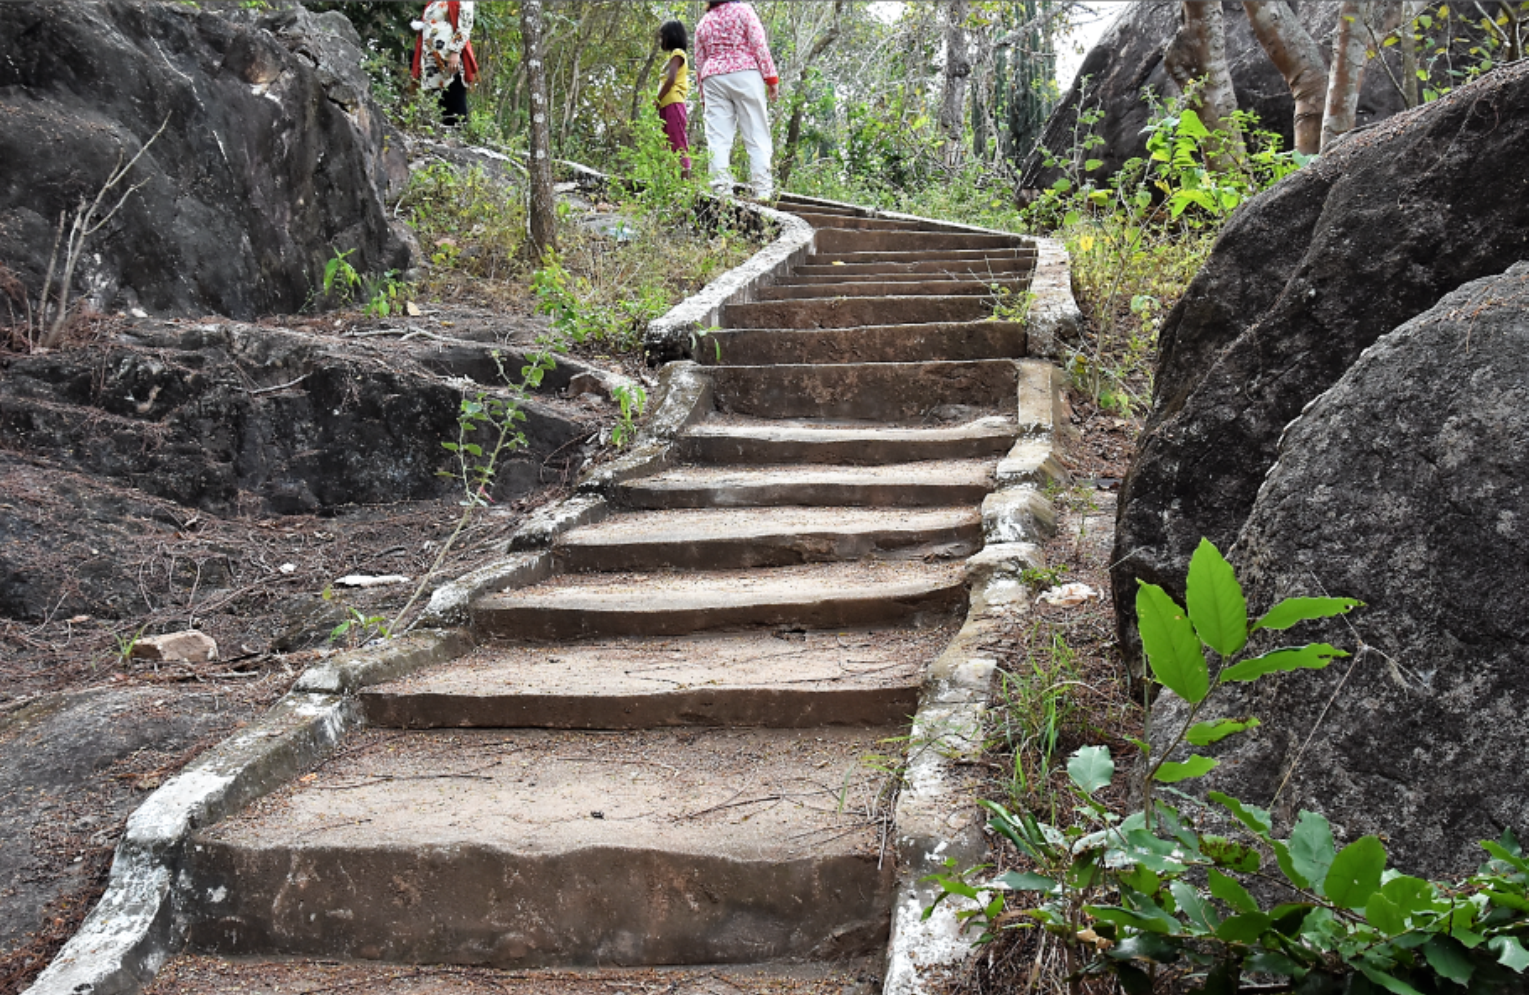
pixel 543 204
pixel 1299 60
pixel 1198 51
pixel 1347 71
pixel 958 66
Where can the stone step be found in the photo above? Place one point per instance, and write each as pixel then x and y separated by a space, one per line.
pixel 900 272
pixel 791 202
pixel 706 539
pixel 793 291
pixel 187 974
pixel 754 678
pixel 820 219
pixel 523 848
pixel 663 603
pixel 975 340
pixel 821 258
pixel 840 313
pixel 891 392
pixel 841 240
pixel 802 441
pixel 899 485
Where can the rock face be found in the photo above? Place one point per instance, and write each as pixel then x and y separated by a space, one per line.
pixel 1129 60
pixel 1405 485
pixel 1302 280
pixel 272 158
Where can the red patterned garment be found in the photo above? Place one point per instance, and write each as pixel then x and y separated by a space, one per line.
pixel 730 39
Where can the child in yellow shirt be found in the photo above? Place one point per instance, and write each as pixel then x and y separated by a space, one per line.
pixel 674 90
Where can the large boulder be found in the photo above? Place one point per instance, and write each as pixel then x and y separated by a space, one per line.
pixel 1407 486
pixel 1125 68
pixel 1302 280
pixel 272 157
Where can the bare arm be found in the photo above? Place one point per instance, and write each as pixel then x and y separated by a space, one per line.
pixel 671 75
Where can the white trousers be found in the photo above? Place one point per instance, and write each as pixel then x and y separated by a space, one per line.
pixel 736 102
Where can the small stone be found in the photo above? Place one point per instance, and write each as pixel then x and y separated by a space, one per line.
pixel 192 646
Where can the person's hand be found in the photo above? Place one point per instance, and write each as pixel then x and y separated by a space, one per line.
pixel 772 90
pixel 453 64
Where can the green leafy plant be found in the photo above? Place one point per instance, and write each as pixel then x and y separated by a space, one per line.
pixel 126 644
pixel 341 279
pixel 632 399
pixel 1157 899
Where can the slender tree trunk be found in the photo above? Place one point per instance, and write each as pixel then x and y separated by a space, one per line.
pixel 1198 51
pixel 1409 52
pixel 543 204
pixel 958 67
pixel 799 93
pixel 1299 60
pixel 638 104
pixel 1347 73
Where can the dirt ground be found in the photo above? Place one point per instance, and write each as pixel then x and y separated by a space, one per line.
pixel 87 731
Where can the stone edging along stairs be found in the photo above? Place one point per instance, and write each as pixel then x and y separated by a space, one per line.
pixel 674 726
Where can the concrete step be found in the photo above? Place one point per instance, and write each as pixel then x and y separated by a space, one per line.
pixel 794 204
pixel 822 219
pixel 841 313
pixel 662 603
pixel 841 240
pixel 975 340
pixel 740 439
pixel 186 974
pixel 891 392
pixel 523 848
pixel 793 291
pixel 706 539
pixel 755 678
pixel 899 485
pixel 1010 269
pixel 943 257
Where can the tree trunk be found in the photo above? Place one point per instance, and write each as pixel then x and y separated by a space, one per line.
pixel 1299 60
pixel 539 166
pixel 799 93
pixel 958 67
pixel 1198 51
pixel 1409 49
pixel 1347 73
pixel 638 104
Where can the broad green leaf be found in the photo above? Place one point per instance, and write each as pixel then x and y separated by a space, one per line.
pixel 1189 124
pixel 1354 875
pixel 1091 768
pixel 1230 854
pixel 1510 953
pixel 1212 730
pixel 1244 928
pixel 1313 656
pixel 1216 605
pixel 1462 923
pixel 1231 892
pixel 1294 610
pixel 1141 878
pixel 1449 959
pixel 1384 915
pixel 1092 164
pixel 1252 817
pixel 1501 853
pixel 1512 901
pixel 1146 947
pixel 1154 852
pixel 1175 771
pixel 1024 882
pixel 1272 963
pixel 1173 650
pixel 1154 920
pixel 1312 848
pixel 1385 980
pixel 1196 910
pixel 1410 895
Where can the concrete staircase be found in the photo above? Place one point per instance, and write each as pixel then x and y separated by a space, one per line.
pixel 682 747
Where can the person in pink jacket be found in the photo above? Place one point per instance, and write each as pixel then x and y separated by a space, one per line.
pixel 737 76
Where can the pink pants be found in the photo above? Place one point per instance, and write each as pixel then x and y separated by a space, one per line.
pixel 676 124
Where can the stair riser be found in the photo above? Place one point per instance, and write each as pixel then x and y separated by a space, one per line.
pixel 837 240
pixel 766 707
pixel 886 391
pixel 936 258
pixel 874 344
pixel 807 494
pixel 866 288
pixel 478 906
pixel 769 551
pixel 857 452
pixel 844 313
pixel 540 622
pixel 897 273
pixel 820 220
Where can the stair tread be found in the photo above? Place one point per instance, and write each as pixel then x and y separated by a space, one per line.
pixel 714 662
pixel 557 791
pixel 696 524
pixel 926 472
pixel 845 430
pixel 191 973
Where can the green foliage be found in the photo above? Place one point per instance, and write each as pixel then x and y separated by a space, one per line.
pixel 358 629
pixel 1154 895
pixel 580 317
pixel 633 400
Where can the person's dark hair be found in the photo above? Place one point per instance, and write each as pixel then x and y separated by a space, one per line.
pixel 716 3
pixel 671 36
